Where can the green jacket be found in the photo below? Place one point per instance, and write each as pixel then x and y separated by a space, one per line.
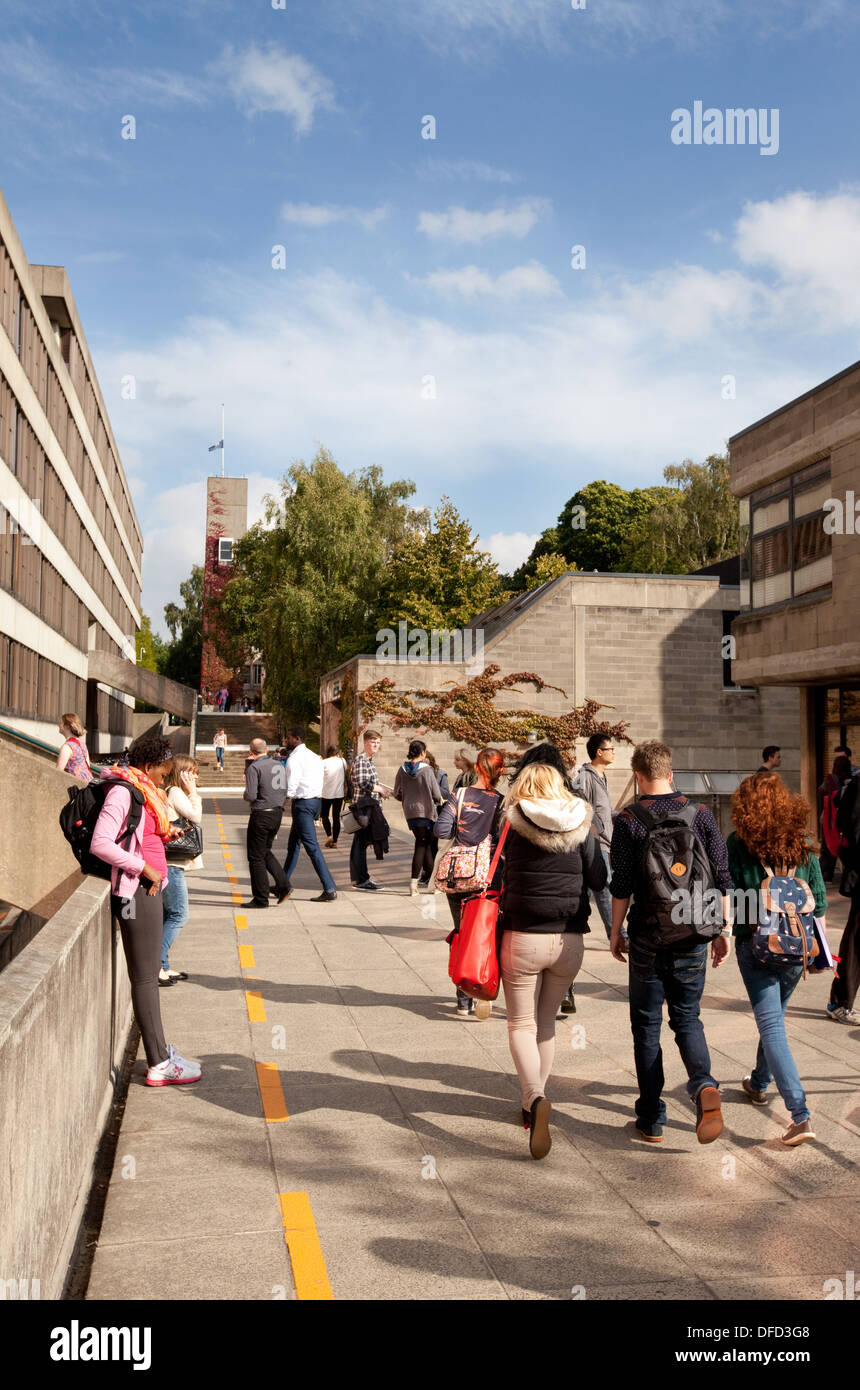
pixel 747 872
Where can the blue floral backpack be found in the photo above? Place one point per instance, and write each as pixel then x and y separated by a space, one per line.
pixel 786 922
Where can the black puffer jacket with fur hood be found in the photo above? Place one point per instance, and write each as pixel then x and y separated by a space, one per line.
pixel 552 857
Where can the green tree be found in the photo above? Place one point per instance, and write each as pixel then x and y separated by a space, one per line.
pixel 437 577
pixel 593 525
pixel 549 567
pixel 149 649
pixel 546 544
pixel 693 523
pixel 180 658
pixel 306 582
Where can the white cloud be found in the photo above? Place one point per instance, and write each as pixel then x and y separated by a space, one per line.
pixel 471 283
pixel 325 214
pixel 464 224
pixel 810 244
pixel 464 171
pixel 617 380
pixel 270 79
pixel 460 27
pixel 509 549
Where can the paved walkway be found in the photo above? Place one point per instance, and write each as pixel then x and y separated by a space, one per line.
pixel 351 1138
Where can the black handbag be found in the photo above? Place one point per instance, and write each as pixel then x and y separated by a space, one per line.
pixel 184 847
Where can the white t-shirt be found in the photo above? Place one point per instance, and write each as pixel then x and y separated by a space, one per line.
pixel 334 772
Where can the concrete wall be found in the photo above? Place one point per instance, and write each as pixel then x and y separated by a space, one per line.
pixel 647 647
pixel 65 1014
pixel 37 867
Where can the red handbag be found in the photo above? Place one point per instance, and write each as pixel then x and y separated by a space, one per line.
pixel 473 963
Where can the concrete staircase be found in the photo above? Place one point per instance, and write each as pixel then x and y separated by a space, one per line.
pixel 240 729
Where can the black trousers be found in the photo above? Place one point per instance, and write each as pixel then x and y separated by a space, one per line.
pixel 844 989
pixel 263 826
pixel 141 923
pixel 333 805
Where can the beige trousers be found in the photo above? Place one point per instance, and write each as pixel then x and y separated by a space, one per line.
pixel 537 970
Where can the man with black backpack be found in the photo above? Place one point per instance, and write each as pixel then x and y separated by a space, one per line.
pixel 669 857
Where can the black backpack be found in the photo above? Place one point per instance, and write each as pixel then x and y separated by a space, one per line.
pixel 78 821
pixel 671 895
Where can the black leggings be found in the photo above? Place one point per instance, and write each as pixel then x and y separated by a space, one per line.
pixel 424 852
pixel 141 923
pixel 332 804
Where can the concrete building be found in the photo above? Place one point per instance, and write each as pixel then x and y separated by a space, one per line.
pixel 70 542
pixel 650 648
pixel 796 472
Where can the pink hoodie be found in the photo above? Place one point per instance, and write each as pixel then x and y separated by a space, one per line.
pixel 110 826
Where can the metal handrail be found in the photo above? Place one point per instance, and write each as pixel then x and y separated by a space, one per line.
pixel 28 738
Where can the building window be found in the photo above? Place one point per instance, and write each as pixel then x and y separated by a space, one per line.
pixel 225 551
pixel 785 551
pixel 257 673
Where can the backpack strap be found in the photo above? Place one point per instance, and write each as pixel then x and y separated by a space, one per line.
pixel 640 814
pixel 461 795
pixel 135 811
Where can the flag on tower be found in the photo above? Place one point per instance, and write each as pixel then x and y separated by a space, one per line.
pixel 219 445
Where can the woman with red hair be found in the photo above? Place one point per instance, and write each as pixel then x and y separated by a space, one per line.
pixel 470 816
pixel 770 830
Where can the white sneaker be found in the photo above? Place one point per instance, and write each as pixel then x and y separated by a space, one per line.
pixel 843 1015
pixel 175 1071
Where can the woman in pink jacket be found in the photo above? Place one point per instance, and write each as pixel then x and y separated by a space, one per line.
pixel 139 873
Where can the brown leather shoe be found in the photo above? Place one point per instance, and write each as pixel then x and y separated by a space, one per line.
pixel 798 1134
pixel 709 1125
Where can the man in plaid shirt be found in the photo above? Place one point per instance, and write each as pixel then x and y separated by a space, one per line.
pixel 364 783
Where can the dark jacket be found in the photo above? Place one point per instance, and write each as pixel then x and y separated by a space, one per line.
pixel 549 867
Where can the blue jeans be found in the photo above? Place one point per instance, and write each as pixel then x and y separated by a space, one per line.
pixel 219 754
pixel 676 978
pixel 603 898
pixel 175 900
pixel 305 811
pixel 769 992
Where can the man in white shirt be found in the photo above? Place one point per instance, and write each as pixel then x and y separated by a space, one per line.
pixel 304 788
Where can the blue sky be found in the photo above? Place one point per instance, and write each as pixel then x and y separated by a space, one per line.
pixel 409 258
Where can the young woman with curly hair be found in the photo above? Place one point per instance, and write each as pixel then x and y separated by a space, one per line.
pixel 138 875
pixel 770 830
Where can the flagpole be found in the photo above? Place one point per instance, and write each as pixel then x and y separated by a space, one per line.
pixel 222 440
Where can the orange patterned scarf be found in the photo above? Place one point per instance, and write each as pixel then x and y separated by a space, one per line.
pixel 156 801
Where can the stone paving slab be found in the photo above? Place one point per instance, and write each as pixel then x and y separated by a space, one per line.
pixel 403 1124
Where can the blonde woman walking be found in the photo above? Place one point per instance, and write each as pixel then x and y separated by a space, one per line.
pixel 184 801
pixel 552 858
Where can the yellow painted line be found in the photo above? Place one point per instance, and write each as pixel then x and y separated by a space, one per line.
pixel 271 1091
pixel 256 1008
pixel 246 956
pixel 241 921
pixel 231 878
pixel 303 1243
pixel 237 899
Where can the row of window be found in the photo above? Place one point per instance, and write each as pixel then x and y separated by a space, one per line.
pixel 31 687
pixel 785 550
pixel 26 573
pixel 37 476
pixel 20 326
